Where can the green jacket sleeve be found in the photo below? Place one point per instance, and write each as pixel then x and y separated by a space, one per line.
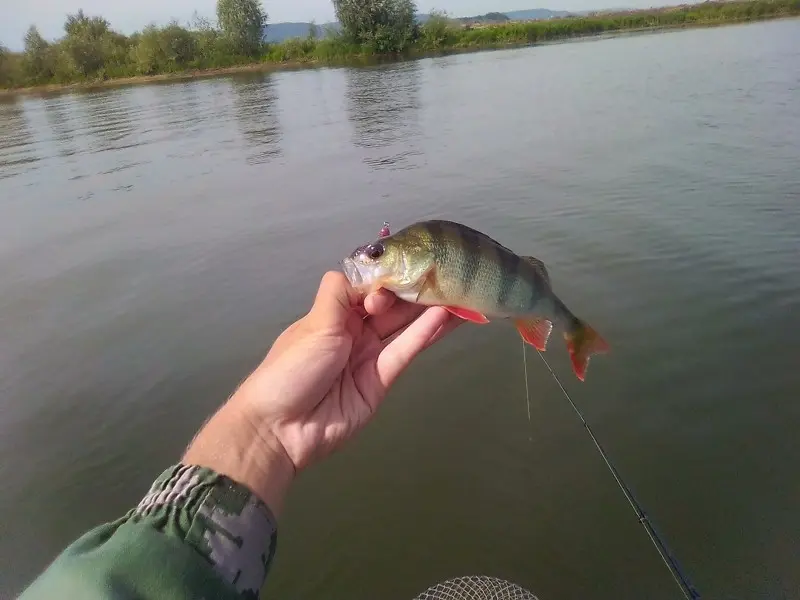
pixel 196 534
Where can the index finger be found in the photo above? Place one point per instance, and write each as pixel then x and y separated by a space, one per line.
pixel 418 336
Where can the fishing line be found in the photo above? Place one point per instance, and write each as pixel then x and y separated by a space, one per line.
pixel 527 391
pixel 689 591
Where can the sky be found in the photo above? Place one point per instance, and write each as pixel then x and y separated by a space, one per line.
pixel 128 16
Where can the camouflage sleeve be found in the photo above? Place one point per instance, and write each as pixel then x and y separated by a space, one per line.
pixel 196 534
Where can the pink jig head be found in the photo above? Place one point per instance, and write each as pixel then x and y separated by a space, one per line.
pixel 384 231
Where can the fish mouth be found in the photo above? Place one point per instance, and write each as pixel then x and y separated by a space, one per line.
pixel 352 273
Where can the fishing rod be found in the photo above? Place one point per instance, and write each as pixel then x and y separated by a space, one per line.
pixel 689 591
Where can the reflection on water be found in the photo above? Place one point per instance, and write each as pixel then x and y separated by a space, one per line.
pixel 109 119
pixel 254 107
pixel 58 111
pixel 177 109
pixel 382 104
pixel 16 142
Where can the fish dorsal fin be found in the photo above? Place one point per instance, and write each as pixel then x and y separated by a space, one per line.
pixel 539 266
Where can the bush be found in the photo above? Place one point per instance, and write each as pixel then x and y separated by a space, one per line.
pixel 212 50
pixel 85 42
pixel 165 50
pixel 437 32
pixel 385 26
pixel 291 50
pixel 243 23
pixel 337 48
pixel 11 74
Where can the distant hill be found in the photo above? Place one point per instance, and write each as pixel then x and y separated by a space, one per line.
pixel 278 32
pixel 492 17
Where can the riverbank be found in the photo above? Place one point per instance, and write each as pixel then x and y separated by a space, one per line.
pixel 255 67
pixel 441 38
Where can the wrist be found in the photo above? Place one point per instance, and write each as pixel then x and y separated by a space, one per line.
pixel 232 445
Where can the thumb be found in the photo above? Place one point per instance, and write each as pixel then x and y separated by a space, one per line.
pixel 335 302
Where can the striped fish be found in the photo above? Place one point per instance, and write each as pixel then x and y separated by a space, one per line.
pixel 442 263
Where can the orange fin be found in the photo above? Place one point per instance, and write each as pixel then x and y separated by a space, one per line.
pixel 582 343
pixel 535 331
pixel 468 315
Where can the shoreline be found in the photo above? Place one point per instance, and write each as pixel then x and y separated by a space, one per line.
pixel 268 67
pixel 51 88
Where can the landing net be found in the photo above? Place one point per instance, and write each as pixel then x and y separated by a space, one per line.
pixel 476 587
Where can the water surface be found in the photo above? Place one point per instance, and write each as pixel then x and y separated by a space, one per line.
pixel 154 240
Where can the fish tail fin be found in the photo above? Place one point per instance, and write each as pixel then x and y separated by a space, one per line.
pixel 582 343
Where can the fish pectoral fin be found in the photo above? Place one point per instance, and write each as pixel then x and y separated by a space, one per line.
pixel 535 331
pixel 468 315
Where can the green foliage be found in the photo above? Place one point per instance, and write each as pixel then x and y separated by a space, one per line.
pixel 243 23
pixel 91 45
pixel 37 60
pixel 292 50
pixel 11 74
pixel 91 50
pixel 439 31
pixel 5 71
pixel 384 26
pixel 178 45
pixel 333 48
pixel 164 50
pixel 336 49
pixel 530 32
pixel 212 49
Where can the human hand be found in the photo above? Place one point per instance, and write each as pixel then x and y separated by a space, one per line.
pixel 321 382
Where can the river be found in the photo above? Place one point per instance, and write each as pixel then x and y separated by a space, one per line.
pixel 155 239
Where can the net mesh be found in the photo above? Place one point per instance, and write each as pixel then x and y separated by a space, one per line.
pixel 476 587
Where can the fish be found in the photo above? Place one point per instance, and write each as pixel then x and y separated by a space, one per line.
pixel 448 264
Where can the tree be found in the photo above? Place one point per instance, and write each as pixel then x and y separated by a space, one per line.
pixel 166 49
pixel 6 75
pixel 212 50
pixel 178 45
pixel 385 25
pixel 36 61
pixel 79 24
pixel 243 23
pixel 87 41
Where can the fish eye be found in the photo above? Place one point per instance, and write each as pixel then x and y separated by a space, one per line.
pixel 375 251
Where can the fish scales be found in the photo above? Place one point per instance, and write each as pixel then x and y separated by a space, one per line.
pixel 473 268
pixel 471 262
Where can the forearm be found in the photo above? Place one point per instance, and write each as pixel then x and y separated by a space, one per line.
pixel 251 456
